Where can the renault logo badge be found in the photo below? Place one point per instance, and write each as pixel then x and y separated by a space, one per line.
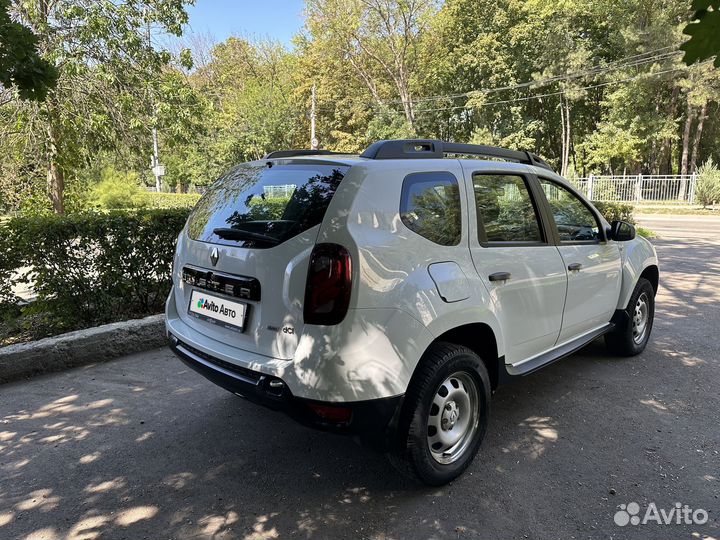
pixel 214 256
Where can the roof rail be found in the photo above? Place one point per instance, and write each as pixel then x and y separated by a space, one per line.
pixel 434 149
pixel 292 153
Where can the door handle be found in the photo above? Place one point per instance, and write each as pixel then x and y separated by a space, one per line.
pixel 499 276
pixel 574 267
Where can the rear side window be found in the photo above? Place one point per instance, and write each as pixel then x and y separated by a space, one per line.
pixel 430 206
pixel 257 206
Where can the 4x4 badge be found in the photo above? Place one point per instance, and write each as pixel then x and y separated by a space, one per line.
pixel 214 256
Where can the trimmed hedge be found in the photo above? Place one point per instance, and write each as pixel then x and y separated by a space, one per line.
pixel 171 200
pixel 613 211
pixel 88 269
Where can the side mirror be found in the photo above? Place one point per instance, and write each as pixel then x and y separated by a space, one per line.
pixel 621 231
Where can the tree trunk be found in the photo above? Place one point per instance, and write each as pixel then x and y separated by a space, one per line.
pixel 369 82
pixel 666 151
pixel 563 137
pixel 55 175
pixel 698 134
pixel 406 99
pixel 56 186
pixel 566 133
pixel 685 147
pixel 566 157
pixel 409 113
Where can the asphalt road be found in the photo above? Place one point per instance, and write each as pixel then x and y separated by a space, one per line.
pixel 669 226
pixel 142 447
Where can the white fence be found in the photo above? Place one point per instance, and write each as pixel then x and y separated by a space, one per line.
pixel 678 189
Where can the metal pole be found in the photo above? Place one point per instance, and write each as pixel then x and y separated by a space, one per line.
pixel 313 103
pixel 693 183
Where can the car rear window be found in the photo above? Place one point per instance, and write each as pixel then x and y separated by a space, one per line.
pixel 259 206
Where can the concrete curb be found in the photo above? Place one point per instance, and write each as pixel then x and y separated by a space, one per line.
pixel 81 347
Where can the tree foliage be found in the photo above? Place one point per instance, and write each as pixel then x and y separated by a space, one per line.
pixel 20 64
pixel 704 32
pixel 594 87
pixel 109 76
pixel 118 190
pixel 707 190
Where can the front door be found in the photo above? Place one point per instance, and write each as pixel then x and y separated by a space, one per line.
pixel 593 263
pixel 518 264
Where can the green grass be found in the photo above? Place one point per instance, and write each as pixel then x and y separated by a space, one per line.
pixel 678 210
pixel 645 233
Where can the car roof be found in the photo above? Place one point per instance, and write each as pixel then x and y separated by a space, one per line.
pixel 350 160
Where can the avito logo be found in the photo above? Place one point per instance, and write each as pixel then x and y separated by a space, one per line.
pixel 679 514
pixel 212 306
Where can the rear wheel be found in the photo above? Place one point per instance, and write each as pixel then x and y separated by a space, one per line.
pixel 444 416
pixel 632 337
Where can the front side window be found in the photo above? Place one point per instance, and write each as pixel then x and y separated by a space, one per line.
pixel 430 206
pixel 575 222
pixel 505 209
pixel 258 206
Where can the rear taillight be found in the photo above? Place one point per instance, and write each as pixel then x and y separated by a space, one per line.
pixel 329 281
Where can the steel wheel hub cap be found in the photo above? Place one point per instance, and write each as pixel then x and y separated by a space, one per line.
pixel 454 418
pixel 449 416
pixel 640 318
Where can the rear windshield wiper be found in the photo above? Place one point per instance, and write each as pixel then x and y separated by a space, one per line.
pixel 239 234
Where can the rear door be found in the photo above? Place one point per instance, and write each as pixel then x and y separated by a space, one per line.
pixel 593 263
pixel 514 256
pixel 247 246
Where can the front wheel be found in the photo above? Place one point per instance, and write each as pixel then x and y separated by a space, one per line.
pixel 631 338
pixel 444 416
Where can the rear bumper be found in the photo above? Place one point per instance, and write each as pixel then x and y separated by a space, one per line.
pixel 373 421
pixel 353 361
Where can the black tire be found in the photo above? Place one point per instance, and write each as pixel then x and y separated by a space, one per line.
pixel 442 364
pixel 625 340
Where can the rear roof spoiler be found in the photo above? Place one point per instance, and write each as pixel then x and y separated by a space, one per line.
pixel 434 149
pixel 293 153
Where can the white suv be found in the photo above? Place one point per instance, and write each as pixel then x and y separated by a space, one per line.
pixel 387 295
